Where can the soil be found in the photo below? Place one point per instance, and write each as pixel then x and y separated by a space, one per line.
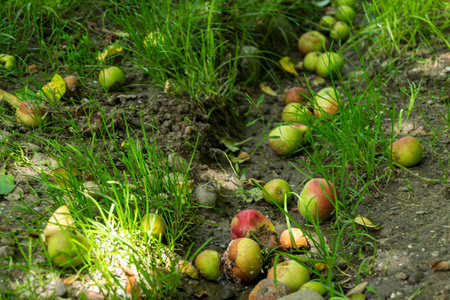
pixel 414 212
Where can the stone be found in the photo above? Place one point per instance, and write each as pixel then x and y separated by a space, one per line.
pixel 206 195
pixel 227 294
pixel 416 277
pixel 6 251
pixel 303 294
pixel 60 289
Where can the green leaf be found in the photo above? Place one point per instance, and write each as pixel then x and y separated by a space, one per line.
pixel 6 184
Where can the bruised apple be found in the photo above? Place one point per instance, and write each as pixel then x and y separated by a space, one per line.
pixel 243 260
pixel 327 102
pixel 310 61
pixel 312 41
pixel 209 264
pixel 329 63
pixel 299 240
pixel 249 220
pixel 30 113
pixel 317 199
pixel 67 249
pixel 275 191
pixel 285 139
pixel 267 289
pixel 406 151
pixel 295 94
pixel 295 112
pixel 291 273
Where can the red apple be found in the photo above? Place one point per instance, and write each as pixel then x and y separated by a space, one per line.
pixel 295 94
pixel 285 139
pixel 317 199
pixel 339 31
pixel 295 112
pixel 306 133
pixel 327 102
pixel 329 63
pixel 406 151
pixel 249 220
pixel 275 191
pixel 267 290
pixel 209 264
pixel 310 61
pixel 243 260
pixel 291 273
pixel 312 41
pixel 345 13
pixel 30 113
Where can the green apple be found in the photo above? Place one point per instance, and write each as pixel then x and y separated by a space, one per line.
pixel 209 264
pixel 154 225
pixel 339 31
pixel 275 191
pixel 345 13
pixel 329 63
pixel 326 21
pixel 243 260
pixel 406 151
pixel 111 78
pixel 327 102
pixel 315 286
pixel 295 112
pixel 285 139
pixel 310 61
pixel 8 61
pixel 312 41
pixel 351 3
pixel 291 273
pixel 295 94
pixel 67 249
pixel 317 199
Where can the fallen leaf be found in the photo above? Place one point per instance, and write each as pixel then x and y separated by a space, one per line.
pixel 287 65
pixel 132 284
pixel 33 69
pixel 63 177
pixel 359 289
pixel 7 184
pixel 12 99
pixel 71 279
pixel 267 89
pixel 253 181
pixel 321 266
pixel 109 51
pixel 366 223
pixel 201 294
pixel 243 156
pixel 358 296
pixel 441 265
pixel 55 89
pixel 168 87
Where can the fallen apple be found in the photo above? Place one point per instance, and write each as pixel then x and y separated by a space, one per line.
pixel 291 273
pixel 74 89
pixel 327 102
pixel 285 139
pixel 310 61
pixel 154 225
pixel 249 220
pixel 306 133
pixel 111 78
pixel 31 113
pixel 312 41
pixel 266 289
pixel 315 286
pixel 209 264
pixel 339 31
pixel 295 112
pixel 329 63
pixel 299 241
pixel 345 13
pixel 406 151
pixel 67 249
pixel 295 94
pixel 8 61
pixel 276 190
pixel 243 260
pixel 326 21
pixel 317 199
pixel 351 3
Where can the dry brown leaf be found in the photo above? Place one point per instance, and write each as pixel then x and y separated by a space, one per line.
pixel 359 289
pixel 366 223
pixel 33 69
pixel 287 65
pixel 63 177
pixel 13 100
pixel 71 279
pixel 132 284
pixel 61 219
pixel 267 89
pixel 109 51
pixel 441 265
pixel 201 294
pixel 252 182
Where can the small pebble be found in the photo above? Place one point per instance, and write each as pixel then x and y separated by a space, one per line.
pixel 6 251
pixel 60 289
pixel 227 294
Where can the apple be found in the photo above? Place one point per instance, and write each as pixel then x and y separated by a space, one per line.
pixel 111 78
pixel 67 249
pixel 306 133
pixel 209 264
pixel 351 3
pixel 317 199
pixel 285 139
pixel 310 61
pixel 345 13
pixel 291 273
pixel 243 260
pixel 295 112
pixel 74 89
pixel 249 220
pixel 8 61
pixel 329 63
pixel 266 289
pixel 315 286
pixel 30 113
pixel 154 225
pixel 299 241
pixel 275 191
pixel 327 102
pixel 326 21
pixel 406 151
pixel 295 94
pixel 312 41
pixel 339 31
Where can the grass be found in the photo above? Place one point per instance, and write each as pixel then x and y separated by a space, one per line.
pixel 194 50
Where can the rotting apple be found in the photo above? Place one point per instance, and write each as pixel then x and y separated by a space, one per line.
pixel 209 264
pixel 243 260
pixel 299 241
pixel 249 220
pixel 339 31
pixel 345 13
pixel 315 286
pixel 291 273
pixel 8 61
pixel 326 21
pixel 310 61
pixel 295 94
pixel 74 89
pixel 295 112
pixel 285 139
pixel 406 152
pixel 266 289
pixel 31 113
pixel 329 63
pixel 67 249
pixel 154 225
pixel 111 78
pixel 276 190
pixel 317 200
pixel 312 41
pixel 327 102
